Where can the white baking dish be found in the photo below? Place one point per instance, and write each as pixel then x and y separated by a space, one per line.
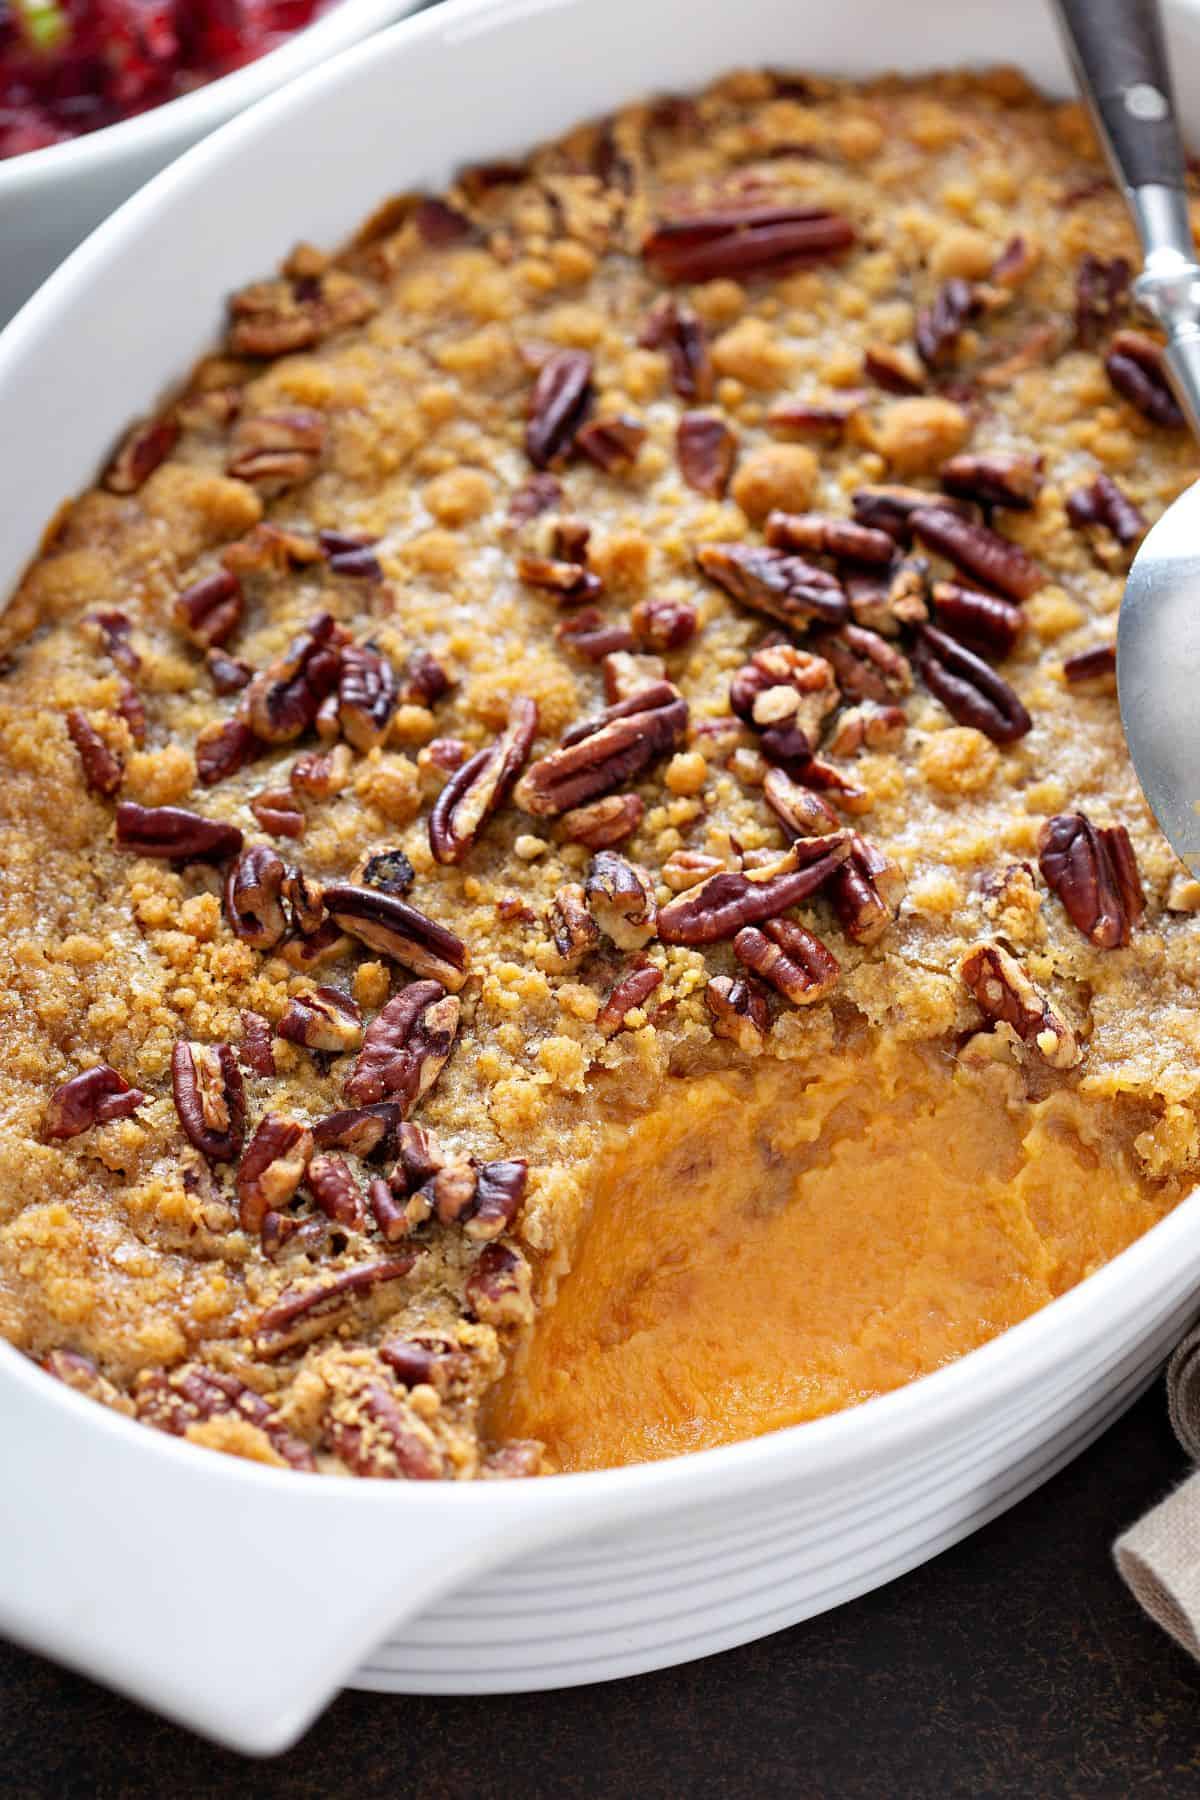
pixel 236 1598
pixel 51 198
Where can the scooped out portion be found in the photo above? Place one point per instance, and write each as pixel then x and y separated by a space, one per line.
pixel 764 1249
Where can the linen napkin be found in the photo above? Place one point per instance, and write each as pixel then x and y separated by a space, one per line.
pixel 1159 1557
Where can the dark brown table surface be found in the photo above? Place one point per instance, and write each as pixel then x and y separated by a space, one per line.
pixel 1015 1664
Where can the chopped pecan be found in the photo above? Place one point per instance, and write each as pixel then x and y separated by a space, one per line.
pixel 739 1011
pixel 573 931
pixel 306 899
pixel 93 1098
pixel 321 773
pixel 481 786
pixel 1015 263
pixel 301 1315
pixel 604 752
pixel 131 708
pixel 379 1437
pixel 439 224
pixel 175 833
pixel 888 605
pixel 706 450
pixel 277 450
pixel 1134 366
pixel 1005 994
pixel 406 1047
pixel 612 443
pixel 791 958
pixel 1094 872
pixel 627 996
pixel 998 479
pixel 979 551
pixel 867 666
pixel 1098 664
pixel 847 793
pixel 558 406
pixel 311 950
pixel 539 494
pixel 972 693
pixel 802 813
pixel 741 241
pixel 817 418
pixel 282 701
pixel 209 1098
pixel 590 635
pixel 867 726
pixel 425 680
pixel 324 1019
pixel 367 695
pixel 193 1394
pixel 363 1130
pixel 720 906
pixel 570 582
pixel 626 675
pixel 866 892
pixel 390 871
pixel 228 674
pixel 602 823
pixel 103 770
pixel 941 324
pixel 773 582
pixel 663 624
pixel 829 537
pixel 273 318
pixel 894 368
pixel 391 1218
pixel 223 748
pixel 116 629
pixel 394 928
pixel 270 549
pixel 499 1194
pixel 149 443
pixel 210 610
pixel 1101 297
pixel 1033 349
pixel 984 622
pixel 336 1192
pixel 258 1047
pixel 272 1168
pixel 351 555
pixel 444 754
pixel 254 897
pixel 278 812
pixel 684 869
pixel 620 897
pixel 1102 502
pixel 77 1371
pixel 673 327
pixel 785 694
pixel 890 506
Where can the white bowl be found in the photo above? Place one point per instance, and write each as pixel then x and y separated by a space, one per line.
pixel 50 199
pixel 237 1598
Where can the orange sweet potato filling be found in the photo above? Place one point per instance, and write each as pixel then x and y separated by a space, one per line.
pixel 764 1248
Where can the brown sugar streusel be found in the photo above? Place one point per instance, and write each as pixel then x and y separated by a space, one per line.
pixel 645 611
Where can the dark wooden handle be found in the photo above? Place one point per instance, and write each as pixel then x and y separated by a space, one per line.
pixel 1120 57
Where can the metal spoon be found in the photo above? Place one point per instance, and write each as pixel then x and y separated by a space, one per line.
pixel 1120 59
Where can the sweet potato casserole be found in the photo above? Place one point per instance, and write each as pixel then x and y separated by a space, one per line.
pixel 571 886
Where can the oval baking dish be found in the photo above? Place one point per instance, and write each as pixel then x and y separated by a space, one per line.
pixel 236 1598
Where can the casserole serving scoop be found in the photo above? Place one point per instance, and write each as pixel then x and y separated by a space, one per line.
pixel 1119 55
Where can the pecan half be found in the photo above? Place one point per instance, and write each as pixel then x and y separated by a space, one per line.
pixel 1102 502
pixel 1005 994
pixel 1134 366
pixel 278 812
pixel 1098 664
pixel 979 551
pixel 673 327
pixel 741 241
pixel 425 680
pixel 602 823
pixel 272 1168
pixel 791 958
pixel 612 443
pixel 786 694
pixel 620 897
pixel 941 324
pixel 210 610
pixel 193 1394
pixel 274 318
pixel 149 443
pixel 379 1437
pixel 894 368
pixel 802 813
pixel 336 1192
pixel 773 582
pixel 605 752
pixel 824 536
pixel 867 726
pixel 1094 872
pixel 223 748
pixel 103 770
pixel 277 450
pixel 573 931
pixel 397 930
pixel 367 695
pixel 481 786
pixel 254 897
pixel 406 1047
pixel 499 1194
pixel 984 622
pixel 866 892
pixel 739 1011
pixel 972 693
pixel 541 493
pixel 258 1046
pixel 889 506
pixel 175 833
pixel 627 996
pixel 209 1098
pixel 997 479
pixel 1101 297
pixel 706 450
pixel 558 406
pixel 93 1098
pixel 363 1130
pixel 867 666
pixel 590 635
pixel 301 1315
pixel 720 906
pixel 116 631
pixel 323 1019
pixel 282 701
pixel 390 871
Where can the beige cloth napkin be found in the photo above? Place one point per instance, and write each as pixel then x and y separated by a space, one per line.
pixel 1159 1557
